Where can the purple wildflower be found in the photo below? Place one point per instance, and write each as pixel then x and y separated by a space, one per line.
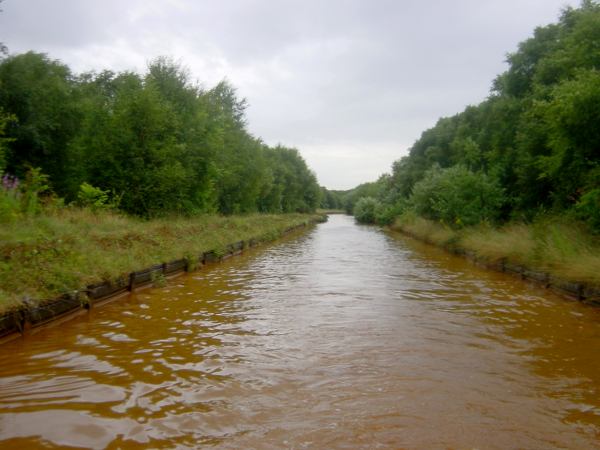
pixel 10 183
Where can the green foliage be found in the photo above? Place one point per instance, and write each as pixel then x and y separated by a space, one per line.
pixel 38 92
pixel 376 190
pixel 19 200
pixel 385 214
pixel 571 117
pixel 94 198
pixel 457 197
pixel 330 200
pixel 160 143
pixel 365 210
pixel 537 136
pixel 36 183
pixel 5 119
pixel 588 209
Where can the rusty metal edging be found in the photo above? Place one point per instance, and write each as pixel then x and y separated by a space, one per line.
pixel 575 290
pixel 29 318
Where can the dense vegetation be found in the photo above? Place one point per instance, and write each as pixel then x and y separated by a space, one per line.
pixel 150 144
pixel 77 151
pixel 531 149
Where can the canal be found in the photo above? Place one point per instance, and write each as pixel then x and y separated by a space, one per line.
pixel 341 337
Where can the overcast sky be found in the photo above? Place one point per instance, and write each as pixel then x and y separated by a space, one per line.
pixel 351 84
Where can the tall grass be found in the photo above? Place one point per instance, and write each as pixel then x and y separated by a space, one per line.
pixel 423 229
pixel 558 246
pixel 46 255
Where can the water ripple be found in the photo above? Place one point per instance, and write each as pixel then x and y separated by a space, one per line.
pixel 342 337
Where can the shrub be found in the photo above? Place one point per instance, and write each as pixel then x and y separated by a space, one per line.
pixel 458 197
pixel 588 209
pixel 365 210
pixel 386 214
pixel 92 197
pixel 36 183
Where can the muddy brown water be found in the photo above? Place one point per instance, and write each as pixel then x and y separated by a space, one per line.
pixel 342 337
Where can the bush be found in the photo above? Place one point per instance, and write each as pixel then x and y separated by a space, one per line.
pixel 588 209
pixel 93 197
pixel 458 197
pixel 23 199
pixel 36 183
pixel 386 214
pixel 365 210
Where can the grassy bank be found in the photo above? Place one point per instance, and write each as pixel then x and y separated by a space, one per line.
pixel 330 211
pixel 45 256
pixel 562 249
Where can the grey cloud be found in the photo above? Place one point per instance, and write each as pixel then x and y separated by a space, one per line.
pixel 351 83
pixel 52 24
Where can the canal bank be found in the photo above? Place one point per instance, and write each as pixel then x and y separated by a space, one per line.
pixel 122 244
pixel 548 254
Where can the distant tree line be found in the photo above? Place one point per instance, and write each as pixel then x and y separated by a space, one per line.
pixel 533 146
pixel 155 143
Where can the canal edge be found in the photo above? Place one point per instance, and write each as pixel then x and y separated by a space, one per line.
pixel 572 290
pixel 32 317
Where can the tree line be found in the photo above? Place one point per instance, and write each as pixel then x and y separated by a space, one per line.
pixel 532 147
pixel 153 143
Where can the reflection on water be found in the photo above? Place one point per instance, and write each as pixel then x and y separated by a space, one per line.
pixel 344 337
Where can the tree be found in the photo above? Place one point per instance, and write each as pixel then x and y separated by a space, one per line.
pixel 571 119
pixel 5 119
pixel 365 210
pixel 457 196
pixel 38 92
pixel 156 141
pixel 536 135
